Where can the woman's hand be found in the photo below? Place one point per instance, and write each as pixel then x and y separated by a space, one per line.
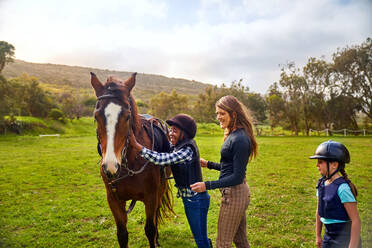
pixel 134 144
pixel 203 162
pixel 198 187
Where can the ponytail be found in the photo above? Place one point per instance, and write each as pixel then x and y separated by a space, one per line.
pixel 352 186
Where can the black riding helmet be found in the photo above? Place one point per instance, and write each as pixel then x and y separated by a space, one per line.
pixel 332 151
pixel 184 122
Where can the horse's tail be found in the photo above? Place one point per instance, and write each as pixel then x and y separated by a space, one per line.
pixel 166 205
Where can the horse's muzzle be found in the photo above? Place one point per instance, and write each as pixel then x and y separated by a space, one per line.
pixel 111 173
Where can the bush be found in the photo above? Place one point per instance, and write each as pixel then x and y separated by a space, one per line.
pixel 57 114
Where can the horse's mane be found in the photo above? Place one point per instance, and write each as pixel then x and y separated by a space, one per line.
pixel 136 119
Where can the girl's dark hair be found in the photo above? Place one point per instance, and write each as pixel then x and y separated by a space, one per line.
pixel 184 135
pixel 346 177
pixel 241 119
pixel 341 169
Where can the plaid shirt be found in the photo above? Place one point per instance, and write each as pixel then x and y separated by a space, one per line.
pixel 176 157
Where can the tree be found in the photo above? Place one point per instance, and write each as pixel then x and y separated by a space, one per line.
pixel 72 105
pixel 142 106
pixel 256 103
pixel 164 105
pixel 4 101
pixel 275 105
pixel 342 111
pixel 253 101
pixel 29 98
pixel 294 102
pixel 56 114
pixel 353 74
pixel 204 109
pixel 6 54
pixel 317 75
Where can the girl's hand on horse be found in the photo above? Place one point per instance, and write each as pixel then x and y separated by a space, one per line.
pixel 133 142
pixel 198 187
pixel 203 162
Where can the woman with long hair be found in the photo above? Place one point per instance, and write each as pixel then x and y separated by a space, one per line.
pixel 239 147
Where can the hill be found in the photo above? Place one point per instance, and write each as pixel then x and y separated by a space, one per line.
pixel 56 77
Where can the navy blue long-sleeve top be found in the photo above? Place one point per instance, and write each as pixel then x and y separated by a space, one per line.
pixel 235 153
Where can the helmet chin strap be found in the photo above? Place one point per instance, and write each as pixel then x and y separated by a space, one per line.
pixel 330 176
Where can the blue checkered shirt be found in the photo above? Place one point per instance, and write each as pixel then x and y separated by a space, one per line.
pixel 176 157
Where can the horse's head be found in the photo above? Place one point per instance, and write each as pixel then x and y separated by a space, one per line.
pixel 114 114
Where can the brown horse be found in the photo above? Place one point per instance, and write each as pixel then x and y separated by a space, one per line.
pixel 127 176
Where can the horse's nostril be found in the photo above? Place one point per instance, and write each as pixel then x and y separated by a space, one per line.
pixel 104 168
pixel 117 167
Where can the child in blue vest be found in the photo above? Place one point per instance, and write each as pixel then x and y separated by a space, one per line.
pixel 337 206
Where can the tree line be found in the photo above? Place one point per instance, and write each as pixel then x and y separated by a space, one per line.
pixel 319 95
pixel 324 94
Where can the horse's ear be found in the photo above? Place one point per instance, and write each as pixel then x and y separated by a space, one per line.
pixel 131 82
pixel 97 85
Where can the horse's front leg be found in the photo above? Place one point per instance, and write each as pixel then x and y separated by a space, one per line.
pixel 151 228
pixel 121 219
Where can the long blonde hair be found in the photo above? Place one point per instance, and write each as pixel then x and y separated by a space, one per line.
pixel 241 119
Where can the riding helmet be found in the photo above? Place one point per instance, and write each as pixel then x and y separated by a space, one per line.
pixel 332 150
pixel 184 122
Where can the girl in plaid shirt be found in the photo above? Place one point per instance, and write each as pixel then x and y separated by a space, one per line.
pixel 185 164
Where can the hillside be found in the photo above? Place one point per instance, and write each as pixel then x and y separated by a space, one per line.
pixel 75 77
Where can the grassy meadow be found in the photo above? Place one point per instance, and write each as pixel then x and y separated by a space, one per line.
pixel 51 193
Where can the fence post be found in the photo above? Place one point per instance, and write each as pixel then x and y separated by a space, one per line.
pixel 327 131
pixel 344 131
pixel 364 132
pixel 310 132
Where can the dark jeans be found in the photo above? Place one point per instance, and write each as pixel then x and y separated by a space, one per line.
pixel 196 209
pixel 337 235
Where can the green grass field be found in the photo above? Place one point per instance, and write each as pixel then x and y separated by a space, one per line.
pixel 51 193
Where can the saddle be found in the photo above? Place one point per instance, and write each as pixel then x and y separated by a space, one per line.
pixel 157 130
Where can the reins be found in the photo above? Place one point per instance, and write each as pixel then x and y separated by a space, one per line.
pixel 124 159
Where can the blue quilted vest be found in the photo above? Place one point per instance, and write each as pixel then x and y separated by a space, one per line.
pixel 330 205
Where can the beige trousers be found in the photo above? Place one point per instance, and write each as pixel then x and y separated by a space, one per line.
pixel 232 220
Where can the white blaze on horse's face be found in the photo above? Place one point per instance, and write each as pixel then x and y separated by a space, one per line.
pixel 112 112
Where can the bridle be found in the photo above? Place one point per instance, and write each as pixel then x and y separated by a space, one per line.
pixel 124 151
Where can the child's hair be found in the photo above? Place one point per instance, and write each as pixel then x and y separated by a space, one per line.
pixel 352 186
pixel 184 138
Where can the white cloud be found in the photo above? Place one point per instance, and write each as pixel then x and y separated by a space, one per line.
pixel 226 41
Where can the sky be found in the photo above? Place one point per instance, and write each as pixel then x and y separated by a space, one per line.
pixel 210 41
